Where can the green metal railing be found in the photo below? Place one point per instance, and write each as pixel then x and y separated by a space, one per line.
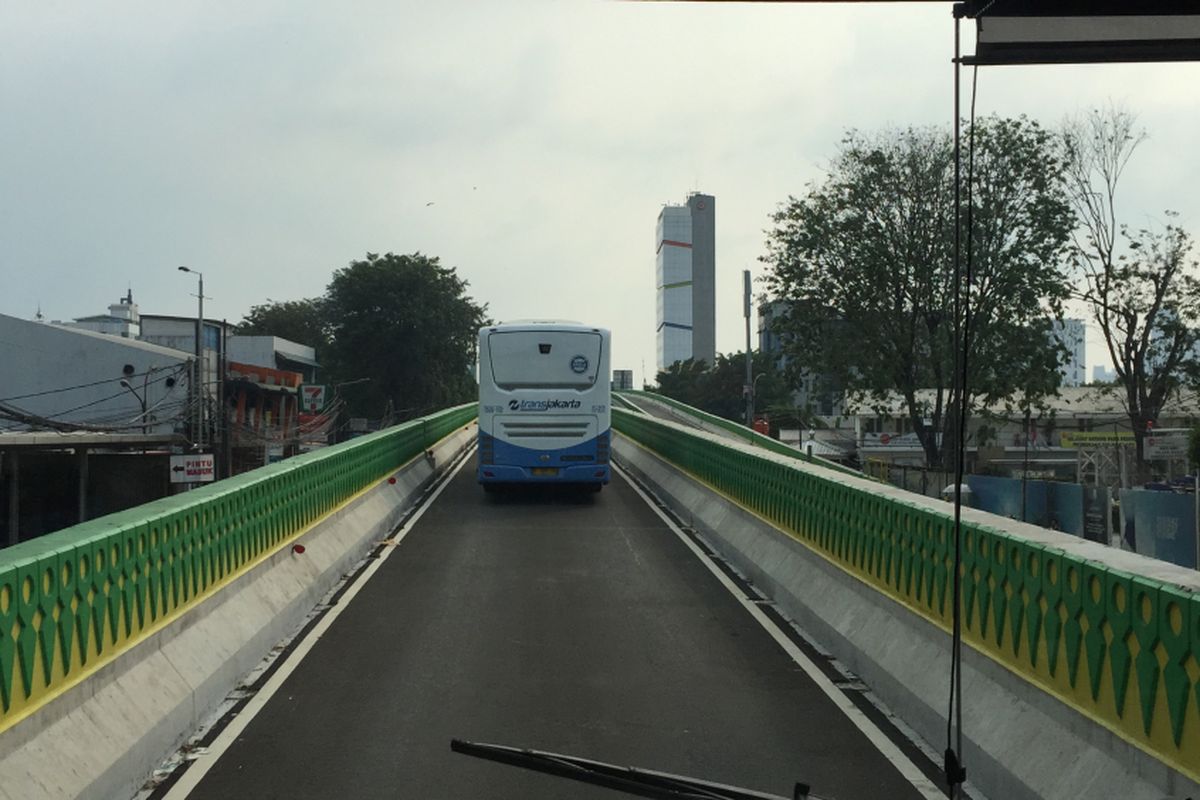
pixel 742 432
pixel 1122 648
pixel 624 403
pixel 72 600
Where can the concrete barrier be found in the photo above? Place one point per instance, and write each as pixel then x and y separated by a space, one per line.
pixel 1020 742
pixel 103 736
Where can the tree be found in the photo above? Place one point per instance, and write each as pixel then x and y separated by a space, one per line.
pixel 301 321
pixel 1140 286
pixel 865 260
pixel 404 322
pixel 719 390
pixel 685 381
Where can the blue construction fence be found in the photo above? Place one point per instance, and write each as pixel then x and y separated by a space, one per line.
pixel 1050 504
pixel 1159 524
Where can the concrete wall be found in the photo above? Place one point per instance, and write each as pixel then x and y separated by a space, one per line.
pixel 103 737
pixel 1021 743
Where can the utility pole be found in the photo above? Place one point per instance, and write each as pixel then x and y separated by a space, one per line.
pixel 1025 466
pixel 749 368
pixel 199 394
pixel 223 454
pixel 200 361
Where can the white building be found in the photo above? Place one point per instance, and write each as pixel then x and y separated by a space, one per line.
pixel 276 353
pixel 1072 334
pixel 73 375
pixel 685 281
pixel 622 379
pixel 264 371
pixel 127 372
pixel 121 320
pixel 180 333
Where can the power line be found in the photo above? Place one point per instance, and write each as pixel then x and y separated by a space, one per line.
pixel 98 424
pixel 58 414
pixel 78 386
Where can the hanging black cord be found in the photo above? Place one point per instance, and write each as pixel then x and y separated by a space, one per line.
pixel 951 765
pixel 955 772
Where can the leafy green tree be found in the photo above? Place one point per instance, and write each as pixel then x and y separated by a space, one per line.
pixel 865 258
pixel 301 321
pixel 405 323
pixel 683 381
pixel 719 389
pixel 1141 286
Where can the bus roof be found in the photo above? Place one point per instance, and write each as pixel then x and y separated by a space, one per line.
pixel 544 324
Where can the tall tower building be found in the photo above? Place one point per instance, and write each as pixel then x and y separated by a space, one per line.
pixel 1072 334
pixel 685 281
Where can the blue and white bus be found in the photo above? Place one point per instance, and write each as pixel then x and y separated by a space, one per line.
pixel 544 404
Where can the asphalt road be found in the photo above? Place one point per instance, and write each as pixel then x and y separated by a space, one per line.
pixel 574 624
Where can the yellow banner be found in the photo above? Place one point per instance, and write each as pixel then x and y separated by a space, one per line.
pixel 1092 438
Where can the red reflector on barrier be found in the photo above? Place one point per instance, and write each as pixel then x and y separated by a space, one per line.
pixel 298 549
pixel 392 479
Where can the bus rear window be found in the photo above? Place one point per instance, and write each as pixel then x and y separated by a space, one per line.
pixel 544 359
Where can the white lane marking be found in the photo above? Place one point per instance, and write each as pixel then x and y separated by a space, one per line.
pixel 202 764
pixel 900 760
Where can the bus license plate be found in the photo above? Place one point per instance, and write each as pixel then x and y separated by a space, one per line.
pixel 545 471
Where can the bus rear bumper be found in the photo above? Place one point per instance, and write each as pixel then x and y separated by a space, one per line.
pixel 510 473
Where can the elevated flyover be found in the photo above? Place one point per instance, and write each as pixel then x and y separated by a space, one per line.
pixel 669 409
pixel 547 620
pixel 1081 665
pixel 598 627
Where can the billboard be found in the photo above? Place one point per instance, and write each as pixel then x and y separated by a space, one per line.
pixel 1167 444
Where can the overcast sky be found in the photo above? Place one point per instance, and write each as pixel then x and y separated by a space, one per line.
pixel 269 143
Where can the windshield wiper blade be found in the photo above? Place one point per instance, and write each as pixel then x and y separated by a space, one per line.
pixel 631 780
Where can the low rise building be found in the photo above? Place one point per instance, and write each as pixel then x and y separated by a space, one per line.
pixel 1057 439
pixel 118 390
pixel 276 353
pixel 87 421
pixel 121 320
pixel 55 376
pixel 622 379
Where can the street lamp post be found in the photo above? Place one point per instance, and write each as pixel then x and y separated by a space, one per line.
pixel 749 367
pixel 199 384
pixel 141 398
pixel 754 393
